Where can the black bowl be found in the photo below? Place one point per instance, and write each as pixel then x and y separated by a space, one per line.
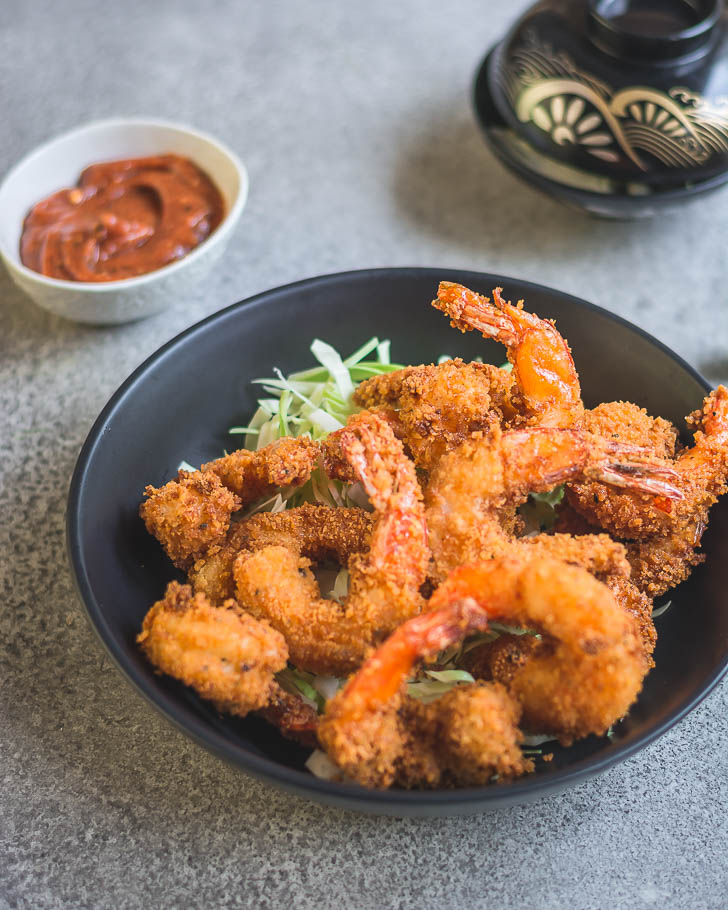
pixel 615 106
pixel 179 404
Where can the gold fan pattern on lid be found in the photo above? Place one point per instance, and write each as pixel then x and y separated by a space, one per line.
pixel 678 127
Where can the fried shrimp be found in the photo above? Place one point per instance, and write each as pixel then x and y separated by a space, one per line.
pixel 665 533
pixel 549 390
pixel 618 511
pixel 556 628
pixel 499 659
pixel 471 499
pixel 587 668
pixel 188 515
pixel 275 582
pixel 224 654
pixel 254 474
pixel 378 736
pixel 317 532
pixel 437 407
pixel 192 513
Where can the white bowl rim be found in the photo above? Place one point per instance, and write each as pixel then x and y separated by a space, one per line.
pixel 95 287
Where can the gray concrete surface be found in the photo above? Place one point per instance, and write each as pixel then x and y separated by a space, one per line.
pixel 354 121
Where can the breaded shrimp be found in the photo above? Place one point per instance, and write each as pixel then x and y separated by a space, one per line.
pixel 543 367
pixel 501 658
pixel 627 589
pixel 660 563
pixel 224 654
pixel 437 407
pixel 608 561
pixel 617 511
pixel 587 669
pixel 634 601
pixel 252 475
pixel 379 736
pixel 317 532
pixel 701 473
pixel 473 493
pixel 190 514
pixel 275 582
pixel 464 738
pixel 666 533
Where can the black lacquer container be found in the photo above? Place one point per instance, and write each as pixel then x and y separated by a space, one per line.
pixel 616 106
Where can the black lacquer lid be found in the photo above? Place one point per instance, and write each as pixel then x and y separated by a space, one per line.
pixel 621 102
pixel 654 31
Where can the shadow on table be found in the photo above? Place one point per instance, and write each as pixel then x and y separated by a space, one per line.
pixel 449 184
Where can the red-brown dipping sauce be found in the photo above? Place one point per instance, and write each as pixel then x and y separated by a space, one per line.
pixel 124 218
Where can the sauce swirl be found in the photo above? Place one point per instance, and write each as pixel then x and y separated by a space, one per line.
pixel 122 219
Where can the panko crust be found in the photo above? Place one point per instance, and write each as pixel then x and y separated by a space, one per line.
pixel 277 584
pixel 500 659
pixel 225 655
pixel 189 515
pixel 623 513
pixel 478 735
pixel 316 532
pixel 638 605
pixel 254 474
pixel 465 737
pixel 439 406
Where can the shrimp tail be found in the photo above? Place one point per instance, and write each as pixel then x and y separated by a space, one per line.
pixel 468 310
pixel 422 637
pixel 626 477
pixel 641 476
pixel 542 363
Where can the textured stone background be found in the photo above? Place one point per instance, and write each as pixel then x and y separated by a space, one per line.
pixel 354 122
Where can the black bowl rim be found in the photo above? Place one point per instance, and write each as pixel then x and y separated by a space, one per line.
pixel 302 783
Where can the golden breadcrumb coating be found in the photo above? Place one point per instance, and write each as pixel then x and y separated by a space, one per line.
pixel 254 474
pixel 224 654
pixel 639 605
pixel 543 368
pixel 474 491
pixel 439 406
pixel 317 532
pixel 462 738
pixel 661 563
pixel 192 513
pixel 275 582
pixel 477 734
pixel 623 513
pixel 188 515
pixel 587 669
pixel 379 736
pixel 666 534
pixel 501 658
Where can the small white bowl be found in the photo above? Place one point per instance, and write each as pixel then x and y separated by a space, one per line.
pixel 59 163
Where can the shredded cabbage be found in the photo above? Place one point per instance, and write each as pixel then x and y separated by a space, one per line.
pixel 658 611
pixel 314 403
pixel 320 765
pixel 299 682
pixel 435 683
pixel 539 512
